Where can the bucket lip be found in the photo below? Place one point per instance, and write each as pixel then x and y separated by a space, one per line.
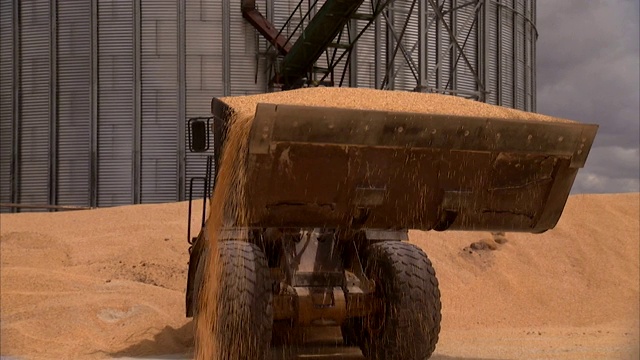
pixel 285 123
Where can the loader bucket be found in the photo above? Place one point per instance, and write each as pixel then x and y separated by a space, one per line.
pixel 342 168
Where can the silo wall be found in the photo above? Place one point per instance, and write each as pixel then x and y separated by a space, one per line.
pixel 95 94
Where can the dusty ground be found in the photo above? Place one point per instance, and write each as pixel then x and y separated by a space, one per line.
pixel 110 283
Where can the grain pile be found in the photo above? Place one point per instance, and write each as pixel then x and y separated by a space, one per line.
pixel 371 99
pixel 108 283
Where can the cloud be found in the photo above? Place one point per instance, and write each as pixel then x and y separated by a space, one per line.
pixel 588 69
pixel 609 169
pixel 592 183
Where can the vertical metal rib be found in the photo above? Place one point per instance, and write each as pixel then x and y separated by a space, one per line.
pixel 93 141
pixel 422 45
pixel 53 102
pixel 499 56
pixel 514 50
pixel 226 48
pixel 483 39
pixel 136 164
pixel 182 98
pixel 16 104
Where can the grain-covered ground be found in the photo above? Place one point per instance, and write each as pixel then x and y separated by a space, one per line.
pixel 110 283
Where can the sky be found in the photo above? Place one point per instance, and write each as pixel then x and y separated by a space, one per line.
pixel 588 70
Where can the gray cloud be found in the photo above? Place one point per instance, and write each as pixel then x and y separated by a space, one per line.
pixel 591 183
pixel 588 70
pixel 610 169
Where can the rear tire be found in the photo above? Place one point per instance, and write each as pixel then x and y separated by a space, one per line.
pixel 410 325
pixel 244 309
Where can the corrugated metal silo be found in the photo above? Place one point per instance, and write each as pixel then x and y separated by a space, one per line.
pixel 95 94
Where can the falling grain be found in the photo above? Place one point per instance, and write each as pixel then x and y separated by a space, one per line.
pixel 226 209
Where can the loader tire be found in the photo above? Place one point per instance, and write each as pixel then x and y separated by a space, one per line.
pixel 409 326
pixel 244 308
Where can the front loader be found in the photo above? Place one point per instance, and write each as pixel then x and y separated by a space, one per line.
pixel 332 193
